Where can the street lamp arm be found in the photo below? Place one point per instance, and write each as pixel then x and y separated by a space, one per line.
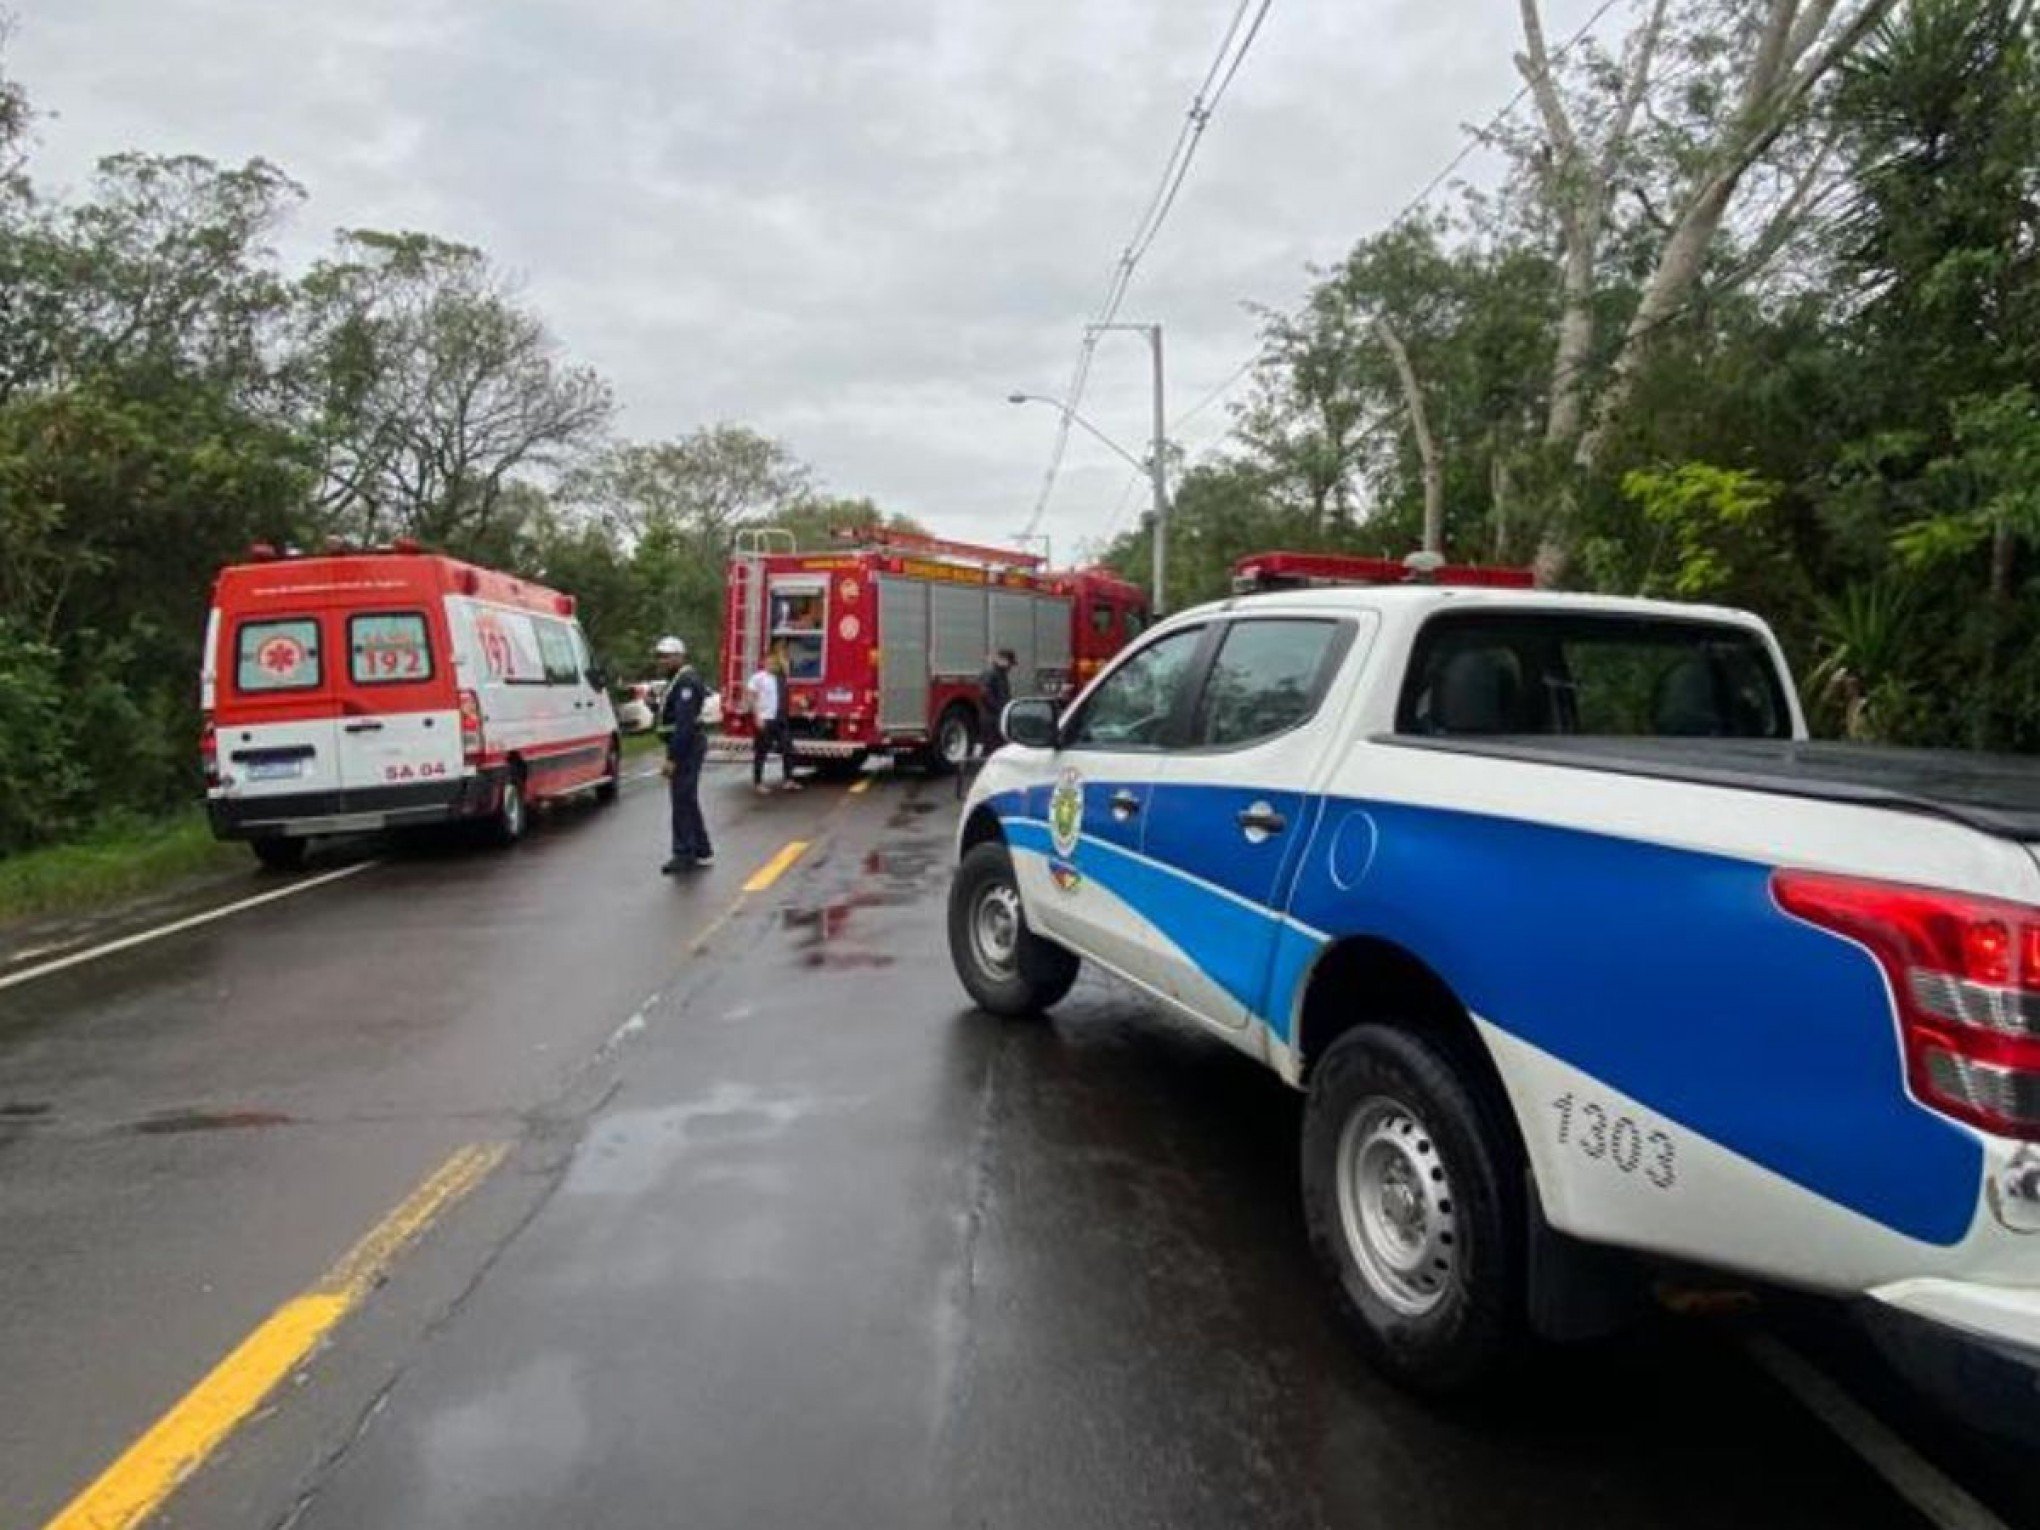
pixel 1081 423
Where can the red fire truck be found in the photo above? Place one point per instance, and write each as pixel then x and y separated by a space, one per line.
pixel 885 638
pixel 1301 570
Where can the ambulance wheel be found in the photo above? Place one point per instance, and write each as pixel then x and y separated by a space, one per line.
pixel 278 853
pixel 1412 1192
pixel 955 738
pixel 1006 968
pixel 513 812
pixel 611 784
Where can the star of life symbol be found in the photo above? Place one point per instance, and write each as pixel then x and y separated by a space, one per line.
pixel 280 656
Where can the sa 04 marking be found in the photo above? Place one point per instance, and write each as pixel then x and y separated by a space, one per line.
pixel 1592 1129
pixel 413 772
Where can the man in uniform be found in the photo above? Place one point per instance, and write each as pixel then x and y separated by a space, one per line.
pixel 686 748
pixel 995 689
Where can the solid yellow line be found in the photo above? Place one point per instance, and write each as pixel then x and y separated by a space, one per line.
pixel 775 868
pixel 128 1491
pixel 863 785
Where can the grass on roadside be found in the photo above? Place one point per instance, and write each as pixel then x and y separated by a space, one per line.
pixel 637 745
pixel 120 859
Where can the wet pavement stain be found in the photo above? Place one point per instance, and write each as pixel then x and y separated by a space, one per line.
pixel 172 1122
pixel 23 1110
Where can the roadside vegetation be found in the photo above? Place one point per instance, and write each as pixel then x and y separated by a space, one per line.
pixel 118 859
pixel 1752 316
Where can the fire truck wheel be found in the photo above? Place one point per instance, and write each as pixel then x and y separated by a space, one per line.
pixel 1008 969
pixel 955 738
pixel 278 853
pixel 612 775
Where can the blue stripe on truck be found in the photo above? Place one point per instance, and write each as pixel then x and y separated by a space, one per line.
pixel 1667 973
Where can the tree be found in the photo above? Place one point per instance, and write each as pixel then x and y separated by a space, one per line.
pixel 1742 97
pixel 704 486
pixel 429 391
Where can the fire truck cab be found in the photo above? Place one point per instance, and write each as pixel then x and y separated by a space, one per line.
pixel 885 637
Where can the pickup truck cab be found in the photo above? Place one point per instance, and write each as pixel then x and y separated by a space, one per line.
pixel 1573 941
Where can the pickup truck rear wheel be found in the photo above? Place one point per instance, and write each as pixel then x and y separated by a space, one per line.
pixel 1412 1192
pixel 1007 968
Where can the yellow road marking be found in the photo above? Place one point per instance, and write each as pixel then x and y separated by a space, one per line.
pixel 863 785
pixel 776 868
pixel 174 1447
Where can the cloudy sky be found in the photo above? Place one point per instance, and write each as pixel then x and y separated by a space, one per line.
pixel 854 224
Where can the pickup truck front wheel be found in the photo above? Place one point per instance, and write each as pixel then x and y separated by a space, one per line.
pixel 1410 1193
pixel 1007 968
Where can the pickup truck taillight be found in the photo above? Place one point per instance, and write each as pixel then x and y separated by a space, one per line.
pixel 209 752
pixel 472 743
pixel 1965 974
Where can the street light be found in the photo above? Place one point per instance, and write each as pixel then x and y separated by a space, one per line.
pixel 1079 421
pixel 1158 461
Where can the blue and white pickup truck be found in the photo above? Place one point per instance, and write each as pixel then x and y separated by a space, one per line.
pixel 1574 942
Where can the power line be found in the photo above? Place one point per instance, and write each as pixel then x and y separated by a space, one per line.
pixel 1475 140
pixel 1225 64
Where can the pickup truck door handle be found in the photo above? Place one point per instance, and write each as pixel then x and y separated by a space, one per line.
pixel 1260 820
pixel 364 727
pixel 1124 805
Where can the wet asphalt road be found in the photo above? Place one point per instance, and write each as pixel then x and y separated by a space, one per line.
pixel 786 1236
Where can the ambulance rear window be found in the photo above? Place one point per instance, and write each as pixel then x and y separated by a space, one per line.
pixel 389 648
pixel 280 655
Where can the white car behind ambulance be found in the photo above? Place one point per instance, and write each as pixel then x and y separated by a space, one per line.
pixel 1575 944
pixel 370 690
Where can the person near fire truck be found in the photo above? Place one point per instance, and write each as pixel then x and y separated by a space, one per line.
pixel 769 710
pixel 995 689
pixel 686 748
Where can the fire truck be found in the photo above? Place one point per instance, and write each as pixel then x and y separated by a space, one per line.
pixel 885 638
pixel 1304 570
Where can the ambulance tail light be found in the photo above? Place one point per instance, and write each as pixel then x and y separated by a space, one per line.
pixel 472 743
pixel 1965 975
pixel 209 752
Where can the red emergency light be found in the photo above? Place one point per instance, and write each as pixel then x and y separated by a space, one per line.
pixel 1294 570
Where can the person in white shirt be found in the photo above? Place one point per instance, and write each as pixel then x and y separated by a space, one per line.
pixel 767 690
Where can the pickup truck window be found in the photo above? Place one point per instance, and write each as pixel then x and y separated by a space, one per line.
pixel 1489 672
pixel 1267 679
pixel 1132 706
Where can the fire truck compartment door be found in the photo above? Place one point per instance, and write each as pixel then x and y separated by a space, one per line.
pixel 903 655
pixel 1013 627
pixel 958 642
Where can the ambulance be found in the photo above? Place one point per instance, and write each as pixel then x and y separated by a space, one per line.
pixel 386 689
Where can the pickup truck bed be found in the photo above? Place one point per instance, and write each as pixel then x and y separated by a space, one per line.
pixel 1997 794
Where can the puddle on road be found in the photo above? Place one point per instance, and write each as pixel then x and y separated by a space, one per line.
pixel 170 1122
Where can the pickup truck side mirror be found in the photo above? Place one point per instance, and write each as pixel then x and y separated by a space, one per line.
pixel 1030 723
pixel 597 677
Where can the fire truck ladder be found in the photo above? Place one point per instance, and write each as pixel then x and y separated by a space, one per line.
pixel 744 626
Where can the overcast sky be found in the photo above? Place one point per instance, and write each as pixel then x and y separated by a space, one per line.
pixel 856 225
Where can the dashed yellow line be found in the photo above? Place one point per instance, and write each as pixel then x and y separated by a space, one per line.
pixel 863 785
pixel 178 1443
pixel 777 867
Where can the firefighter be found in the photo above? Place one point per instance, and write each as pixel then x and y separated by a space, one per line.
pixel 686 748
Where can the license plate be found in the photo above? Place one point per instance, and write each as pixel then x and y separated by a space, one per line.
pixel 274 770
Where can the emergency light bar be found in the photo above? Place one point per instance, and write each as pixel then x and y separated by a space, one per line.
pixel 1294 570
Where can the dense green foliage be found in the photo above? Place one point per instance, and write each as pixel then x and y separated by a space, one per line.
pixel 1838 428
pixel 169 394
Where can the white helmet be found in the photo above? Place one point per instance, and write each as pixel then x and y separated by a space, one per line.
pixel 670 647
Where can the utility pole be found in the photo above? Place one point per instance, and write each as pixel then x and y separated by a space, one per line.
pixel 1158 460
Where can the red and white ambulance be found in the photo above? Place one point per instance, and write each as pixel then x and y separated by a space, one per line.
pixel 885 638
pixel 368 690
